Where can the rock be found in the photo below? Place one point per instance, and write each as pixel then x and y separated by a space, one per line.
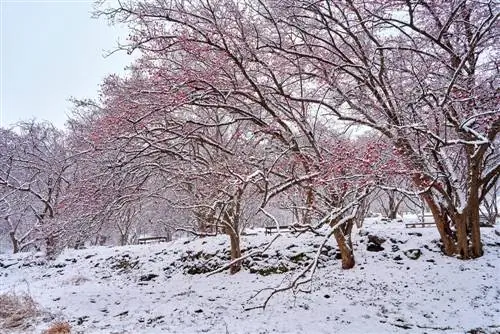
pixel 398 258
pixel 371 247
pixel 326 296
pixel 155 319
pixel 413 254
pixel 418 234
pixel 395 248
pixel 198 311
pixel 298 257
pixel 81 320
pixel 375 239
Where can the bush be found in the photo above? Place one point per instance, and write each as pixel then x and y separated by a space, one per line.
pixel 17 311
pixel 58 328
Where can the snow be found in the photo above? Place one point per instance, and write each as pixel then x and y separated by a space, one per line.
pixel 106 289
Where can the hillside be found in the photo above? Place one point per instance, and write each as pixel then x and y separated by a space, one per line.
pixel 406 287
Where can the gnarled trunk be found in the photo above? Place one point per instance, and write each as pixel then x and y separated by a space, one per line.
pixel 465 241
pixel 343 238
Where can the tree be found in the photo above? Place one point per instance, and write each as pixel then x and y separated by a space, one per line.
pixel 216 69
pixel 33 178
pixel 442 121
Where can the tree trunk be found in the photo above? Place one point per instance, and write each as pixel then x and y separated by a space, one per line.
pixel 462 242
pixel 309 203
pixel 235 252
pixel 15 242
pixel 123 239
pixel 345 246
pixel 466 242
pixel 473 223
pixel 50 244
pixel 442 225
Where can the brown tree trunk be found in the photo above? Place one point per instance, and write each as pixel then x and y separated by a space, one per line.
pixel 235 252
pixel 345 247
pixel 474 223
pixel 442 225
pixel 15 242
pixel 462 242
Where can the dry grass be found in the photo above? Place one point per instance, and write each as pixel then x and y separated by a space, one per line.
pixel 17 311
pixel 59 328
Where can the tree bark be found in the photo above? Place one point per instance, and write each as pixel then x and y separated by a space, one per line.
pixel 235 252
pixel 50 243
pixel 442 225
pixel 15 242
pixel 345 246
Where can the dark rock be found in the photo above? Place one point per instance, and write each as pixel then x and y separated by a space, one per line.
pixel 418 234
pixel 374 247
pixel 395 248
pixel 298 257
pixel 326 296
pixel 398 258
pixel 375 239
pixel 81 320
pixel 198 311
pixel 413 254
pixel 363 233
pixel 155 319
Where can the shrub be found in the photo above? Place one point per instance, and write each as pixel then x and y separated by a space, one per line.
pixel 58 328
pixel 17 311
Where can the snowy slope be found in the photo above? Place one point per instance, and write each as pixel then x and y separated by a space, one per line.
pixel 115 290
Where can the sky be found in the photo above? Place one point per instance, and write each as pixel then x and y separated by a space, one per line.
pixel 51 51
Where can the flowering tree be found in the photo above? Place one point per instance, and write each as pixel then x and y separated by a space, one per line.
pixel 421 74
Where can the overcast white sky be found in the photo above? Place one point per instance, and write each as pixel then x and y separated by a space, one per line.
pixel 51 51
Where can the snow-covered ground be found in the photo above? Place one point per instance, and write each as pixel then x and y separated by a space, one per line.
pixel 147 288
